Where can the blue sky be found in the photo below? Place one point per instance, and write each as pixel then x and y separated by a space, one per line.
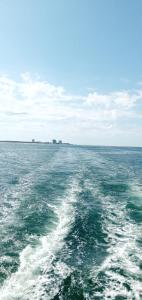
pixel 66 53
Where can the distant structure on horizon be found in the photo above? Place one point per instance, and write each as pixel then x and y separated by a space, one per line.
pixel 55 142
pixel 33 141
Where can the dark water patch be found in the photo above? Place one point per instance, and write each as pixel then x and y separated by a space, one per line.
pixel 9 262
pixel 104 282
pixel 49 189
pixel 86 243
pixel 9 266
pixel 70 289
pixel 14 180
pixel 114 189
pixel 34 223
pixel 134 212
pixel 136 216
pixel 119 297
pixel 3 276
pixel 119 270
pixel 139 242
pixel 34 217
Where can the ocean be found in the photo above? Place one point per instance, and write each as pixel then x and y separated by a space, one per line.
pixel 70 222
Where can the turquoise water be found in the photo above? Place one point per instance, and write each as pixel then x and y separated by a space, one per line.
pixel 70 222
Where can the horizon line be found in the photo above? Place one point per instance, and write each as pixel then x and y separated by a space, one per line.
pixel 67 143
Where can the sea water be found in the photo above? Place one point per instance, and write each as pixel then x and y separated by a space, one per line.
pixel 70 222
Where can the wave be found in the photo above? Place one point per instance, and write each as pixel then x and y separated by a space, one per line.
pixel 40 273
pixel 119 276
pixel 81 222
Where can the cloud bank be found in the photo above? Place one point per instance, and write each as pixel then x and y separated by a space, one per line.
pixel 33 108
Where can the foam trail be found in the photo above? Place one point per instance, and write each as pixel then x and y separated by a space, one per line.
pixel 40 273
pixel 120 273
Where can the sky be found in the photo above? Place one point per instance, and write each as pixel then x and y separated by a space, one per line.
pixel 71 70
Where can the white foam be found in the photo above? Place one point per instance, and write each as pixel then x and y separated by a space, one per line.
pixel 38 271
pixel 123 254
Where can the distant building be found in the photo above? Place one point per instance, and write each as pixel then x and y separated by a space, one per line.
pixel 60 142
pixel 33 140
pixel 54 141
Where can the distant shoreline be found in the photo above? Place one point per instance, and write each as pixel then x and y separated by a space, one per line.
pixel 35 142
pixel 50 143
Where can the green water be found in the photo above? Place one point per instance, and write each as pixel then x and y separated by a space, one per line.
pixel 70 222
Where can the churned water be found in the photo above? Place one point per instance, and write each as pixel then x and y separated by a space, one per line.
pixel 70 222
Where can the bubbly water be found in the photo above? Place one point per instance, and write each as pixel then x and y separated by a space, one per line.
pixel 70 222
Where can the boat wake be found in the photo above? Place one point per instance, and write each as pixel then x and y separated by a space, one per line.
pixel 40 273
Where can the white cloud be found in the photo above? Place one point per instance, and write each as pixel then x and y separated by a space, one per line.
pixel 43 109
pixel 116 100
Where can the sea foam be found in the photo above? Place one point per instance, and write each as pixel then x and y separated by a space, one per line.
pixel 40 273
